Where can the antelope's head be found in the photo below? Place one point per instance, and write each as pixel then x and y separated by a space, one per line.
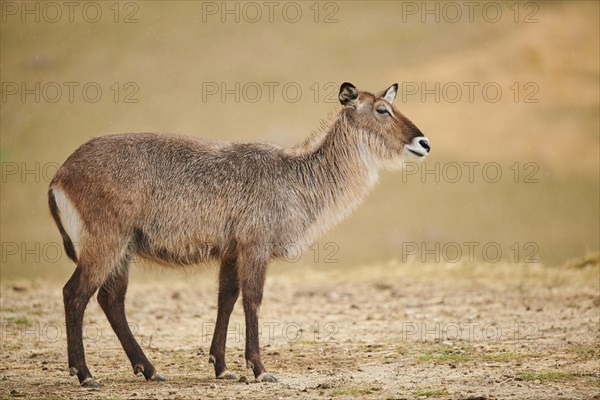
pixel 390 136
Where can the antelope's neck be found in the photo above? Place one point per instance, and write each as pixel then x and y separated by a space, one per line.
pixel 338 172
pixel 343 163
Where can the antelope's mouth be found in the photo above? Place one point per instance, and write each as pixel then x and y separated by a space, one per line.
pixel 419 146
pixel 417 153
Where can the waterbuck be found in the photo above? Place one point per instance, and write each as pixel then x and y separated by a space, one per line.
pixel 177 200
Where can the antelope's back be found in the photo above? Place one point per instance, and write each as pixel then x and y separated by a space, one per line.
pixel 173 192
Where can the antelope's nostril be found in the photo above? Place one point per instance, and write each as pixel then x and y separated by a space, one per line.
pixel 425 144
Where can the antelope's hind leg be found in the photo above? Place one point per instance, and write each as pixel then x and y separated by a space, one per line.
pixel 111 298
pixel 96 262
pixel 76 295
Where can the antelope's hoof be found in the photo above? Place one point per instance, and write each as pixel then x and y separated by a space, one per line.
pixel 157 378
pixel 266 377
pixel 90 383
pixel 227 375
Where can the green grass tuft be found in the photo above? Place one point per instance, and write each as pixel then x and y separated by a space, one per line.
pixel 430 392
pixel 544 375
pixel 21 321
pixel 445 354
pixel 353 391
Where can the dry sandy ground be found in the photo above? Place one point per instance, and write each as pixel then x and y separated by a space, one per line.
pixel 386 332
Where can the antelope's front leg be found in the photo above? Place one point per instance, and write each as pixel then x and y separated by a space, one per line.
pixel 252 270
pixel 228 294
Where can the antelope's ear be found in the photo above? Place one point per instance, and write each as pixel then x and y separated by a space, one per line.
pixel 389 94
pixel 348 94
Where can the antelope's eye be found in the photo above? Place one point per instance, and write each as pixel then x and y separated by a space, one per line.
pixel 383 110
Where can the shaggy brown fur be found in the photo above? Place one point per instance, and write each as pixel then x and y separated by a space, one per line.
pixel 179 201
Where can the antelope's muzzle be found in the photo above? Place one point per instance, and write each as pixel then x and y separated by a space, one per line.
pixel 419 146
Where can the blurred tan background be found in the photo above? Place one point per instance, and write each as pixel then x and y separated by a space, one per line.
pixel 168 57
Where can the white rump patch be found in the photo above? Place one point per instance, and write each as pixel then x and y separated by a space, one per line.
pixel 69 216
